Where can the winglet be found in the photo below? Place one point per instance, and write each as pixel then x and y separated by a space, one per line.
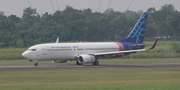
pixel 57 40
pixel 154 44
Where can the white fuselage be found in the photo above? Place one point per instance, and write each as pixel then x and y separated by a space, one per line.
pixel 68 51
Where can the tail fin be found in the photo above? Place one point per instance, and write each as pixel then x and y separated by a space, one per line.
pixel 137 33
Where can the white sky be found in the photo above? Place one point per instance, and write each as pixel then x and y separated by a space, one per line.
pixel 16 7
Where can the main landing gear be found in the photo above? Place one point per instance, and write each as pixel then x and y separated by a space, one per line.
pixel 95 63
pixel 77 63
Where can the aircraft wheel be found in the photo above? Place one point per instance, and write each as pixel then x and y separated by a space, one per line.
pixel 77 63
pixel 36 64
pixel 96 63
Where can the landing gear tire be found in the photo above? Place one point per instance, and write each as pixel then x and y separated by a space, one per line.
pixel 77 63
pixel 36 64
pixel 96 63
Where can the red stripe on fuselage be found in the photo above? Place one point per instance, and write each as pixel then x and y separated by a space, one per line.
pixel 121 46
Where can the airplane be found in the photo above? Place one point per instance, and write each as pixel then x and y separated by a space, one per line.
pixel 92 51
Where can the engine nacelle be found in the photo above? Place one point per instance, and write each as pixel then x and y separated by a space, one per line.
pixel 59 61
pixel 86 59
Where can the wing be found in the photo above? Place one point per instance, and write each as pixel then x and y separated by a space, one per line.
pixel 127 51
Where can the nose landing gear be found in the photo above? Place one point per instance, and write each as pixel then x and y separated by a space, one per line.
pixel 35 62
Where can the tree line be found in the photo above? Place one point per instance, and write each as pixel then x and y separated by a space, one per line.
pixel 84 25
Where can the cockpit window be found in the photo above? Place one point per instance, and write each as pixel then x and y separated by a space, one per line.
pixel 32 49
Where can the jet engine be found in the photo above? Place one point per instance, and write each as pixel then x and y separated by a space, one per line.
pixel 86 59
pixel 59 61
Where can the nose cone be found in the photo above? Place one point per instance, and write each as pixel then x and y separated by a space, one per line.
pixel 26 54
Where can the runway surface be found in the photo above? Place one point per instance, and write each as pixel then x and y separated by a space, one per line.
pixel 74 67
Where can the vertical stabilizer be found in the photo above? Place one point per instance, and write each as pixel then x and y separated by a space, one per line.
pixel 137 33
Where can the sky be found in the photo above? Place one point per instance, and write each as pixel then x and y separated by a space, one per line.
pixel 16 7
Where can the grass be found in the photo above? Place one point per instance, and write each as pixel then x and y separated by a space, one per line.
pixel 11 53
pixel 90 79
pixel 102 61
pixel 99 79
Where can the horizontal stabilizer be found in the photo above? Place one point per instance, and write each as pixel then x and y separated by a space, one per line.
pixel 144 44
pixel 154 45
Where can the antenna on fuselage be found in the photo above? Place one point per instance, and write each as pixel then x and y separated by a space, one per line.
pixel 57 40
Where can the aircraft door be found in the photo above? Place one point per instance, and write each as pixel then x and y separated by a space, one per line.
pixel 130 47
pixel 44 52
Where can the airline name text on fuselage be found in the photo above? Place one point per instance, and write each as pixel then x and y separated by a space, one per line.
pixel 64 47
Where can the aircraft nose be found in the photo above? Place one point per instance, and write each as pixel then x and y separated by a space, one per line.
pixel 26 54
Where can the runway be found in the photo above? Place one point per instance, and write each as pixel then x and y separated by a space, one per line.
pixel 74 67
